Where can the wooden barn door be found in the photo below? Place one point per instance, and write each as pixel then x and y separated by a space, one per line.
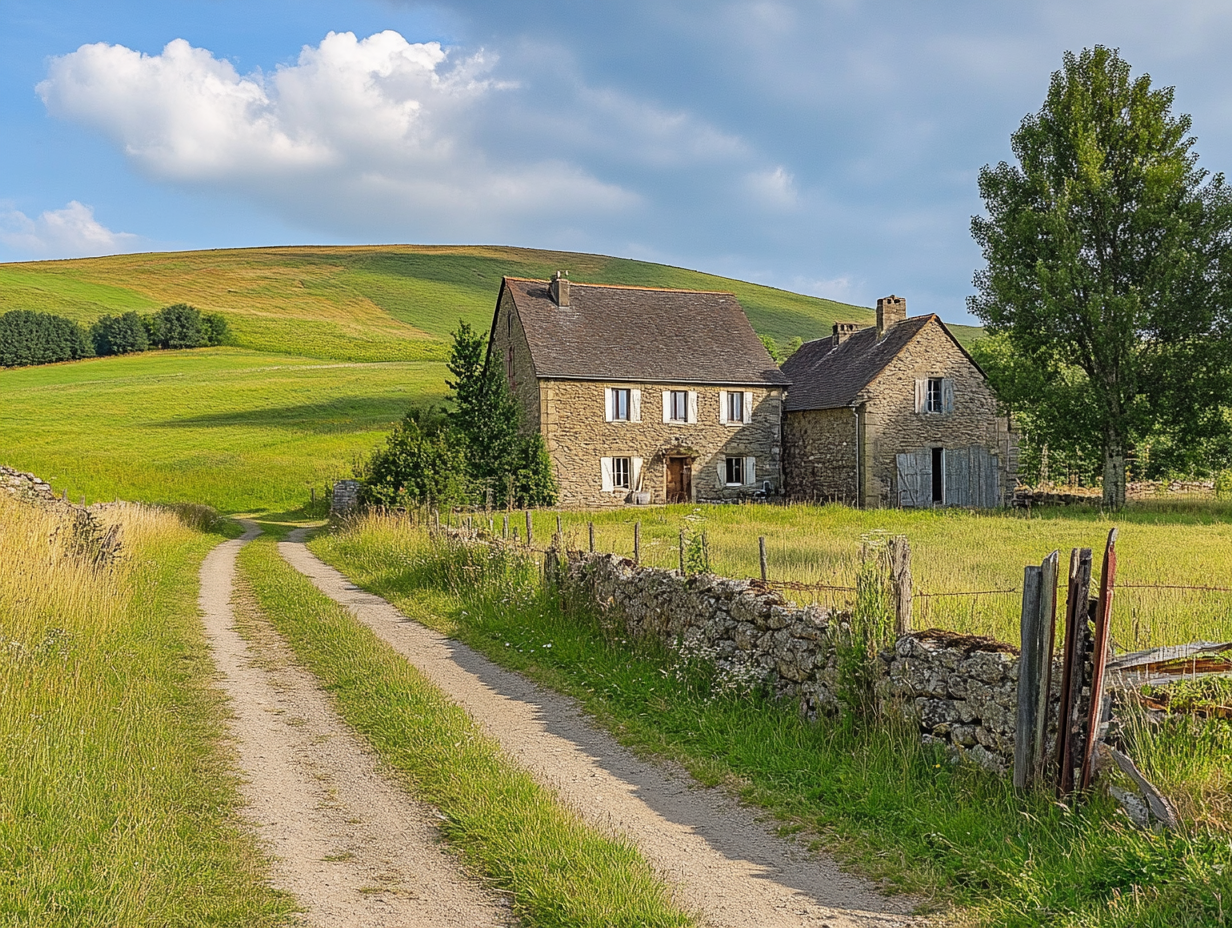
pixel 915 478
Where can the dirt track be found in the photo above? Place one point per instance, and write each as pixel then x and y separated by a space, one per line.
pixel 725 864
pixel 351 846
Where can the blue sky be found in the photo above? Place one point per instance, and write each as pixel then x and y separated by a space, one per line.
pixel 827 146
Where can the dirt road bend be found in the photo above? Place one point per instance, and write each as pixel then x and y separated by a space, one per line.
pixel 352 847
pixel 725 864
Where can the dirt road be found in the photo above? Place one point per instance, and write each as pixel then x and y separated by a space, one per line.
pixel 350 845
pixel 725 864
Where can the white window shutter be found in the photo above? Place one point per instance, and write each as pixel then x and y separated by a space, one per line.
pixel 692 405
pixel 750 470
pixel 609 401
pixel 921 395
pixel 635 478
pixel 609 482
pixel 722 465
pixel 748 406
pixel 667 405
pixel 723 407
pixel 635 405
pixel 947 395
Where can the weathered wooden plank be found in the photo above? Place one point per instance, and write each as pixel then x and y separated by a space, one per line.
pixel 1047 630
pixel 1161 807
pixel 1103 616
pixel 900 575
pixel 1076 617
pixel 761 551
pixel 1028 677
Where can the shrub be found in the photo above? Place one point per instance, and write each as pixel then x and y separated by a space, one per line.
pixel 215 326
pixel 533 483
pixel 121 334
pixel 423 463
pixel 183 326
pixel 28 337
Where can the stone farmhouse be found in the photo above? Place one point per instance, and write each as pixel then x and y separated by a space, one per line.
pixel 896 414
pixel 641 394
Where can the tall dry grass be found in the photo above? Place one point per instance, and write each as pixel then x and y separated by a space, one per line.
pixel 117 805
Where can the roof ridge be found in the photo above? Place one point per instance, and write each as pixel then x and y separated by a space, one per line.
pixel 578 283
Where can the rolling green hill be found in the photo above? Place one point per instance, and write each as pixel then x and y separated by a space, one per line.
pixel 367 303
pixel 329 347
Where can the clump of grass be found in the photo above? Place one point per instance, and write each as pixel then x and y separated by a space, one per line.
pixel 558 871
pixel 898 809
pixel 117 805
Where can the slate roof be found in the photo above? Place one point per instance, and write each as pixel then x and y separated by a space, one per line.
pixel 641 334
pixel 826 377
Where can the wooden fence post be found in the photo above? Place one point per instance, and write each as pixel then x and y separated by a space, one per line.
pixel 761 550
pixel 505 527
pixel 558 529
pixel 436 519
pixel 637 542
pixel 900 576
pixel 1047 630
pixel 1103 615
pixel 682 552
pixel 591 527
pixel 530 532
pixel 312 497
pixel 1028 676
pixel 1077 612
pixel 706 552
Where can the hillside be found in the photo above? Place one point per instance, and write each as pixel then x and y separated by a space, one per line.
pixel 365 303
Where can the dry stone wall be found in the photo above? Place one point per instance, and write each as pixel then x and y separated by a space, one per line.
pixel 960 690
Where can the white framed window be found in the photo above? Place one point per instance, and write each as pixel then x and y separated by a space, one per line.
pixel 621 474
pixel 622 404
pixel 737 471
pixel 934 395
pixel 679 405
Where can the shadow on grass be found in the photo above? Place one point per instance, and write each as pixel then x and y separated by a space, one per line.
pixel 342 415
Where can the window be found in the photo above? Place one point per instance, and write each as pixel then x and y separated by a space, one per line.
pixel 735 472
pixel 620 473
pixel 620 405
pixel 934 395
pixel 735 406
pixel 679 406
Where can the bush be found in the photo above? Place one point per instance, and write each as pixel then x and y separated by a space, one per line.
pixel 423 463
pixel 184 326
pixel 28 337
pixel 215 326
pixel 1223 484
pixel 121 334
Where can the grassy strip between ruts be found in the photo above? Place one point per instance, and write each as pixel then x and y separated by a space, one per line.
pixel 558 871
pixel 117 806
pixel 898 809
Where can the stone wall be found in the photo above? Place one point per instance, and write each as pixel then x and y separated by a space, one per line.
pixel 960 690
pixel 819 455
pixel 510 348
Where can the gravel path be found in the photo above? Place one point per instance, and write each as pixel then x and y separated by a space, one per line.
pixel 725 864
pixel 352 847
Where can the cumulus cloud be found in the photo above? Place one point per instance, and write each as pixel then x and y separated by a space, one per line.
pixel 72 232
pixel 355 131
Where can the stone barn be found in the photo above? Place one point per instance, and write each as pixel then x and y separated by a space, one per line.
pixel 641 394
pixel 896 414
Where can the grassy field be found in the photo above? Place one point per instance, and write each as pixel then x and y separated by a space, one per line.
pixel 895 808
pixel 954 551
pixel 117 804
pixel 368 303
pixel 234 429
pixel 559 872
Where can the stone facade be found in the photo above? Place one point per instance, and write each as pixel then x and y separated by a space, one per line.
pixel 895 415
pixel 819 455
pixel 572 416
pixel 960 690
pixel 892 426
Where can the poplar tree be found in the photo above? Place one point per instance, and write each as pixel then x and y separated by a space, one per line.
pixel 1106 285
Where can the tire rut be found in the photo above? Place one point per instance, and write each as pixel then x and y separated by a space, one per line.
pixel 723 862
pixel 350 845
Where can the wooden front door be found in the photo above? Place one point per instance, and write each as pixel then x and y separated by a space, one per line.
pixel 679 480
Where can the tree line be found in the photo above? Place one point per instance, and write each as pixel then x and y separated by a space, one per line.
pixel 474 454
pixel 28 337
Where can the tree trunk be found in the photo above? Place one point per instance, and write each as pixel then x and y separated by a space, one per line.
pixel 1114 471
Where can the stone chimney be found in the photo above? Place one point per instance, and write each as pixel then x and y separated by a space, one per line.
pixel 844 331
pixel 558 289
pixel 890 311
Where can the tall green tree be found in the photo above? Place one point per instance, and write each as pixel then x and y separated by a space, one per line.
pixel 1108 257
pixel 484 412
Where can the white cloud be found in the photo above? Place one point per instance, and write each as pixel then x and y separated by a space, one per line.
pixel 774 189
pixel 356 131
pixel 72 232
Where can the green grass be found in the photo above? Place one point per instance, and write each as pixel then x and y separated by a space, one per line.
pixel 887 804
pixel 117 804
pixel 558 871
pixel 230 428
pixel 956 550
pixel 368 303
